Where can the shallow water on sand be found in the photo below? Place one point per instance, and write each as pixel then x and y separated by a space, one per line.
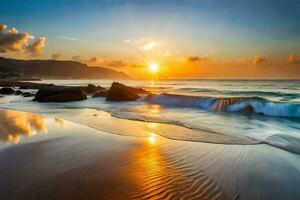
pixel 50 158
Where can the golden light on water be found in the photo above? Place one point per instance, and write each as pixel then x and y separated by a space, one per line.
pixel 152 138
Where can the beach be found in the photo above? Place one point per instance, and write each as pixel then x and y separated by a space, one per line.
pixel 48 157
pixel 150 100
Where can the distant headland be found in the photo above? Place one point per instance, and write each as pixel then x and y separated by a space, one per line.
pixel 54 69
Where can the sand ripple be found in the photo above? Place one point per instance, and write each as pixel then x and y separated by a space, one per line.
pixel 159 176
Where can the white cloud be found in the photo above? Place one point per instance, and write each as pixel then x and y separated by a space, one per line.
pixel 143 43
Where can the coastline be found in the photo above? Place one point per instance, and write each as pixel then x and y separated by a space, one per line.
pixel 96 112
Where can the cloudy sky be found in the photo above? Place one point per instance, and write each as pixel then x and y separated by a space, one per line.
pixel 187 39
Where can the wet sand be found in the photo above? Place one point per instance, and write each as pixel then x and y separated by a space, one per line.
pixel 51 158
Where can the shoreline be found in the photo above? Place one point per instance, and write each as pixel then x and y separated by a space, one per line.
pixel 89 119
pixel 73 157
pixel 197 135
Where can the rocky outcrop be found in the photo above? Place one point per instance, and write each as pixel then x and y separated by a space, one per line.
pixel 139 90
pixel 102 93
pixel 121 92
pixel 18 92
pixel 7 90
pixel 28 94
pixel 60 94
pixel 90 88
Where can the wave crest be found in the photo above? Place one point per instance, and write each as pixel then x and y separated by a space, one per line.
pixel 248 105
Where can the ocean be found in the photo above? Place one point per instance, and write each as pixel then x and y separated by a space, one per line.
pixel 265 111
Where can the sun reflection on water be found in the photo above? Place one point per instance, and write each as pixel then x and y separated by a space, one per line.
pixel 152 138
pixel 150 168
pixel 154 109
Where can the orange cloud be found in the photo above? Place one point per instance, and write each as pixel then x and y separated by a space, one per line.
pixel 77 58
pixel 95 59
pixel 105 62
pixel 13 41
pixel 196 58
pixel 86 59
pixel 36 47
pixel 228 61
pixel 134 65
pixel 57 56
pixel 291 59
pixel 258 59
pixel 2 27
pixel 244 60
pixel 116 63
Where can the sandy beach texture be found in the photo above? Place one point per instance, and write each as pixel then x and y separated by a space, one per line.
pixel 52 158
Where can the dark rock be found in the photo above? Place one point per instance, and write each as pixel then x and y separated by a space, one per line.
pixel 28 94
pixel 23 87
pixel 7 90
pixel 120 92
pixel 60 94
pixel 18 92
pixel 139 90
pixel 90 88
pixel 25 94
pixel 102 93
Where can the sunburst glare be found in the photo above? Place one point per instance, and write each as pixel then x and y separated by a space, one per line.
pixel 153 67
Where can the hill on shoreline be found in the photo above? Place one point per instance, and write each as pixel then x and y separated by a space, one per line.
pixel 54 69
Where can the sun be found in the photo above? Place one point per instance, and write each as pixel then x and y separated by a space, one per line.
pixel 153 67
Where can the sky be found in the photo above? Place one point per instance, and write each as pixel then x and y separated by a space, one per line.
pixel 187 39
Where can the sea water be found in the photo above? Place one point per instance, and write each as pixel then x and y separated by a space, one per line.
pixel 267 111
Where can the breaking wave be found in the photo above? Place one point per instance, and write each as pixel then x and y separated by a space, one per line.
pixel 239 92
pixel 247 105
